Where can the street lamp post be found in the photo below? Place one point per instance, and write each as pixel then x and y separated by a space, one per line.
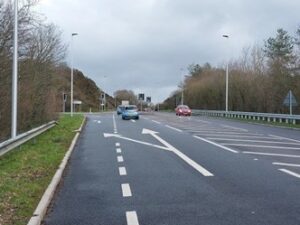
pixel 226 36
pixel 14 105
pixel 181 69
pixel 73 34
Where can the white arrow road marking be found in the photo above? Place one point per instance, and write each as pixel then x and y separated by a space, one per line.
pixel 188 160
pixel 136 141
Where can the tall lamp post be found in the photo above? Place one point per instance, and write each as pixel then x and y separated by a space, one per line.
pixel 14 106
pixel 226 36
pixel 181 69
pixel 73 34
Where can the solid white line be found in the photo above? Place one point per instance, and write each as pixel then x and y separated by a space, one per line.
pixel 272 154
pixel 118 150
pixel 173 128
pixel 122 171
pixel 132 218
pixel 223 132
pixel 290 172
pixel 117 144
pixel 235 128
pixel 290 139
pixel 261 146
pixel 120 159
pixel 235 135
pixel 218 145
pixel 156 122
pixel 114 123
pixel 126 191
pixel 203 121
pixel 255 141
pixel 286 164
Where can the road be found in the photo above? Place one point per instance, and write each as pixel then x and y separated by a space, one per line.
pixel 168 170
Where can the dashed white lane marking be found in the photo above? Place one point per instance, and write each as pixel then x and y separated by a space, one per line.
pixel 290 172
pixel 132 218
pixel 286 164
pixel 279 137
pixel 261 146
pixel 235 128
pixel 218 145
pixel 255 141
pixel 126 191
pixel 98 121
pixel 271 154
pixel 122 171
pixel 133 121
pixel 173 128
pixel 118 150
pixel 156 121
pixel 120 159
pixel 117 144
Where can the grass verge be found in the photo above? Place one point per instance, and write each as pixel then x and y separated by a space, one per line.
pixel 26 171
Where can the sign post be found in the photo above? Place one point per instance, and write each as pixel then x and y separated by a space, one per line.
pixel 290 101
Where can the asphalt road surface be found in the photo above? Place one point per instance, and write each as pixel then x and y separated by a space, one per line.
pixel 169 170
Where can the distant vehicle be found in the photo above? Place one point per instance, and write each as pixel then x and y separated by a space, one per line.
pixel 120 109
pixel 183 110
pixel 130 112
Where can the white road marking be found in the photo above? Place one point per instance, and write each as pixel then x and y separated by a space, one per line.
pixel 216 144
pixel 255 141
pixel 173 128
pixel 188 160
pixel 117 144
pixel 223 132
pixel 261 146
pixel 126 191
pixel 136 141
pixel 98 121
pixel 122 171
pixel 255 159
pixel 114 124
pixel 120 159
pixel 286 164
pixel 290 139
pixel 156 122
pixel 118 150
pixel 132 218
pixel 203 121
pixel 271 154
pixel 133 121
pixel 235 136
pixel 235 128
pixel 290 172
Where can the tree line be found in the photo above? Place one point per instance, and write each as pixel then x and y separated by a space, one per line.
pixel 259 79
pixel 43 75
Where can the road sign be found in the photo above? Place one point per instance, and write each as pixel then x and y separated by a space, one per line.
pixel 141 97
pixel 290 99
pixel 148 99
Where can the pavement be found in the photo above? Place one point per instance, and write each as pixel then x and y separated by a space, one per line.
pixel 170 170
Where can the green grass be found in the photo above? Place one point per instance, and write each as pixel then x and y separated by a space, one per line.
pixel 26 171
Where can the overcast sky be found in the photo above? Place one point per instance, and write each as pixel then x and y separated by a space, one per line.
pixel 143 44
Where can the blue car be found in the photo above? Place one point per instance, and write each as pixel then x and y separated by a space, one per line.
pixel 120 109
pixel 130 112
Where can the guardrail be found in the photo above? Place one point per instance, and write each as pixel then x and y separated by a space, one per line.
pixel 10 144
pixel 269 117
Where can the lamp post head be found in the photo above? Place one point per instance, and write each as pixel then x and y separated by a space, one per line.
pixel 74 34
pixel 225 36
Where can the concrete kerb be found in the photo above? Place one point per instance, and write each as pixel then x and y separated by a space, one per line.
pixel 42 207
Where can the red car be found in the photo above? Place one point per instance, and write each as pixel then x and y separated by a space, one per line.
pixel 183 110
